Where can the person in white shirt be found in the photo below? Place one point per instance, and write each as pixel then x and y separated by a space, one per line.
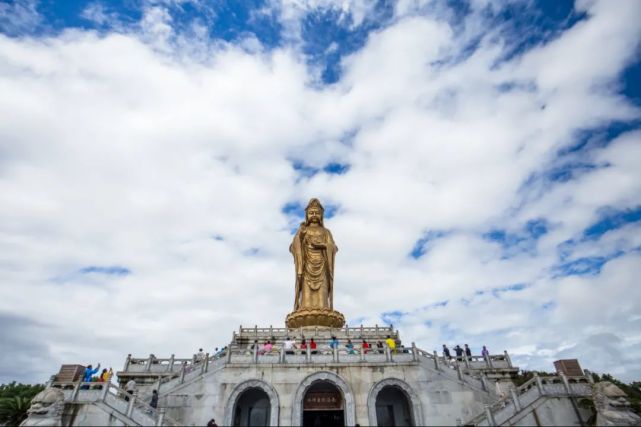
pixel 130 387
pixel 289 345
pixel 200 356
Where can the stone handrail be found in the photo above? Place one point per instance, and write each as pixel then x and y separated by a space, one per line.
pixel 529 392
pixel 128 405
pixel 360 331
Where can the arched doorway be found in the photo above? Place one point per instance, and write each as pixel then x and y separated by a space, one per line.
pixel 392 402
pixel 393 407
pixel 252 408
pixel 253 402
pixel 349 409
pixel 323 405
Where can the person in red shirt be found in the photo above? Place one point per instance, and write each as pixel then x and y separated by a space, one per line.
pixel 312 346
pixel 365 346
pixel 303 346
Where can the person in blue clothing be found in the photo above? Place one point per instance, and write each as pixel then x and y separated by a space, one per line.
pixel 333 343
pixel 89 373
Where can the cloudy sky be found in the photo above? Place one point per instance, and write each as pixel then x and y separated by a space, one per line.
pixel 480 166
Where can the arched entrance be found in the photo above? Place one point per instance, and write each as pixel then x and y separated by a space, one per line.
pixel 252 408
pixel 392 407
pixel 252 403
pixel 392 402
pixel 323 405
pixel 298 404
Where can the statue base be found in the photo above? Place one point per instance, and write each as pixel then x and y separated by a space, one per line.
pixel 315 317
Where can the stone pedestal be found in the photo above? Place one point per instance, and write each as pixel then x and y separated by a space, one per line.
pixel 315 317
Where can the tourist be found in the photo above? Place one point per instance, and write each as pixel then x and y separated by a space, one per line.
pixel 312 346
pixel 379 346
pixel 485 352
pixel 333 343
pixel 104 376
pixel 267 348
pixel 130 387
pixel 468 352
pixel 365 346
pixel 154 399
pixel 459 352
pixel 289 345
pixel 446 353
pixel 391 344
pixel 350 347
pixel 303 346
pixel 200 356
pixel 212 423
pixel 89 373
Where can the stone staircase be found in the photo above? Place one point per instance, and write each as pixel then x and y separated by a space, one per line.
pixel 523 400
pixel 130 410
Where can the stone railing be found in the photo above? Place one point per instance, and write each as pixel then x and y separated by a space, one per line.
pixel 127 405
pixel 360 332
pixel 525 395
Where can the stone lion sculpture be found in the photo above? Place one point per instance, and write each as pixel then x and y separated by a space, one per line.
pixel 612 406
pixel 46 409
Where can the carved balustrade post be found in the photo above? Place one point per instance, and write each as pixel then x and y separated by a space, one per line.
pixel 414 352
pixel 148 363
pixel 282 355
pixel 515 399
pixel 308 354
pixel 255 355
pixel 206 363
pixel 362 353
pixel 76 390
pixel 489 416
pixel 388 354
pixel 436 360
pixel 459 371
pixel 170 367
pixel 466 359
pixel 130 407
pixel 566 384
pixel 127 362
pixel 539 384
pixel 105 390
pixel 161 417
pixel 508 359
pixel 228 354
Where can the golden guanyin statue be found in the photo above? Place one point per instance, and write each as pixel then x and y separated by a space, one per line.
pixel 314 252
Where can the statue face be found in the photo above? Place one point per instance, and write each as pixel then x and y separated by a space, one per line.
pixel 314 215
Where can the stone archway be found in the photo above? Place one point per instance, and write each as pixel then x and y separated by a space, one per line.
pixel 245 386
pixel 412 397
pixel 340 383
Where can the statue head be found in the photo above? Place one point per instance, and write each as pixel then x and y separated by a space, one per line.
pixel 46 408
pixel 314 212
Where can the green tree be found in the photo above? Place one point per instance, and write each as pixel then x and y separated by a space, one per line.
pixel 15 399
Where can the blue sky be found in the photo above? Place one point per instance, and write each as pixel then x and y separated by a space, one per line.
pixel 480 165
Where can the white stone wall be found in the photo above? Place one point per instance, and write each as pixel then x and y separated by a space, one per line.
pixel 436 400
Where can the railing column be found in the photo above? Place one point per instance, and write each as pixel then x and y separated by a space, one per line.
pixel 271 331
pixel 484 382
pixel 376 328
pixel 414 355
pixel 206 364
pixel 539 384
pixel 161 416
pixel 76 390
pixel 566 384
pixel 467 362
pixel 346 330
pixel 362 330
pixel 105 390
pixel 335 355
pixel 515 399
pixel 436 360
pixel 388 354
pixel 282 355
pixel 255 355
pixel 170 367
pixel 362 354
pixel 130 407
pixel 148 364
pixel 127 362
pixel 228 355
pixel 182 374
pixel 508 359
pixel 489 416
pixel 459 371
pixel 308 354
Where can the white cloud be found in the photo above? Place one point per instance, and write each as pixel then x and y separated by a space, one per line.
pixel 123 149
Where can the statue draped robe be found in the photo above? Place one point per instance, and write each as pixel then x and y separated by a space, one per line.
pixel 314 267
